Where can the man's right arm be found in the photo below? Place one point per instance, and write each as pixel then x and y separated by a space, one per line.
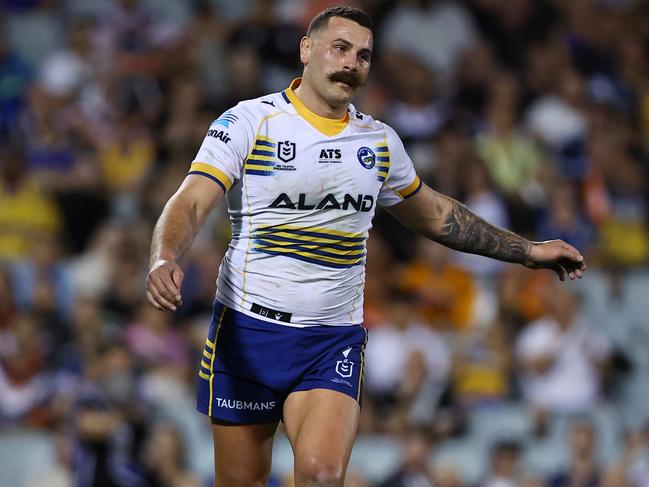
pixel 180 221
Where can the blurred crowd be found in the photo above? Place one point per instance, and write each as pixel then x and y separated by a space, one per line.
pixel 534 113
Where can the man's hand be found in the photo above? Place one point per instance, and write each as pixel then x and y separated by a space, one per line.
pixel 163 285
pixel 557 255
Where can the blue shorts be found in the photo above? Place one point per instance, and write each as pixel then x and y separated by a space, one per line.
pixel 250 366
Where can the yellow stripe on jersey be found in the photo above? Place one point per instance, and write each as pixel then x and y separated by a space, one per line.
pixel 411 189
pixel 328 126
pixel 212 172
pixel 326 232
pixel 317 245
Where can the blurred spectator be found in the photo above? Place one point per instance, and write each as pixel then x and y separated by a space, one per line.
pixel 512 26
pixel 584 469
pixel 42 283
pixel 558 117
pixel 7 301
pixel 485 201
pixel 152 341
pixel 564 219
pixel 407 367
pixel 616 191
pixel 511 157
pixel 453 150
pixel 414 469
pixel 15 77
pixel 274 39
pixel 71 71
pixel 505 469
pixel 417 112
pixel 108 422
pixel 561 357
pixel 164 461
pixel 437 32
pixel 23 380
pixel 26 211
pixel 482 362
pixel 476 68
pixel 444 292
pixel 126 157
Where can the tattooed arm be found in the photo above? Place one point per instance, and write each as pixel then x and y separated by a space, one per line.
pixel 452 224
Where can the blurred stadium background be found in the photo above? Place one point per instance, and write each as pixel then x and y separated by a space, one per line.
pixel 535 113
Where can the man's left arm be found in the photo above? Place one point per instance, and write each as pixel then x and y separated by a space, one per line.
pixel 452 224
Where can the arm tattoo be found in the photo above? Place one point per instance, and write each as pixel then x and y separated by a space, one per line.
pixel 465 231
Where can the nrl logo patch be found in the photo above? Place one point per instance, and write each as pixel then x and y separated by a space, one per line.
pixel 286 150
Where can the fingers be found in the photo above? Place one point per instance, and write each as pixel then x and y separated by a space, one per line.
pixel 572 253
pixel 153 302
pixel 166 287
pixel 558 268
pixel 159 301
pixel 177 278
pixel 163 287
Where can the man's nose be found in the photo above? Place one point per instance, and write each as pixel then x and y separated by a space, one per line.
pixel 351 62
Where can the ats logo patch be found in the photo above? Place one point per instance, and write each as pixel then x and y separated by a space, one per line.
pixel 330 156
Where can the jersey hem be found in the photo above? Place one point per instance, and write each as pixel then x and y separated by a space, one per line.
pixel 232 305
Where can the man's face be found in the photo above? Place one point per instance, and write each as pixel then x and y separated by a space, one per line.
pixel 337 59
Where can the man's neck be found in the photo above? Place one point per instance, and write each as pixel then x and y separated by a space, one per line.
pixel 316 104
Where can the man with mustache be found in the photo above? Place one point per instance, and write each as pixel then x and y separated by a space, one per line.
pixel 302 171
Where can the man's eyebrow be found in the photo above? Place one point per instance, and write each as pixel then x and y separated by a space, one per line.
pixel 364 50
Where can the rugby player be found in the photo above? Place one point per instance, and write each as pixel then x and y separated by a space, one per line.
pixel 303 171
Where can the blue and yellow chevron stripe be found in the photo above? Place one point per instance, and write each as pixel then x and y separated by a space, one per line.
pixel 262 158
pixel 383 160
pixel 206 363
pixel 322 246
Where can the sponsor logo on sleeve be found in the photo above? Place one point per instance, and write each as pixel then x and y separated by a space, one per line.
pixel 221 135
pixel 225 119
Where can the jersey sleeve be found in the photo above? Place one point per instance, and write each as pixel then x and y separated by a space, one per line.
pixel 401 182
pixel 225 147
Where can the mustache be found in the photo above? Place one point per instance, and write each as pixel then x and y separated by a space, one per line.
pixel 347 77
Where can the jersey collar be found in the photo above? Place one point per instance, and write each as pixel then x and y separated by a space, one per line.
pixel 328 126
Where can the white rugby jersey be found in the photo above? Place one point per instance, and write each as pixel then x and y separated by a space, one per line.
pixel 301 191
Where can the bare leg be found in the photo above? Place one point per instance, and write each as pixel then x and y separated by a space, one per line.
pixel 321 425
pixel 242 454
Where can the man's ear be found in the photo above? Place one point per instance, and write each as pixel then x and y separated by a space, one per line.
pixel 306 44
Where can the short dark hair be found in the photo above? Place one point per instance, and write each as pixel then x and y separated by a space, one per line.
pixel 351 13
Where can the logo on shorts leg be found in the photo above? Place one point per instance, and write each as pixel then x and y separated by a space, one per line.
pixel 345 368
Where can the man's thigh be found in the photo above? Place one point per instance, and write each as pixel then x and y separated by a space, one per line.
pixel 321 425
pixel 242 454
